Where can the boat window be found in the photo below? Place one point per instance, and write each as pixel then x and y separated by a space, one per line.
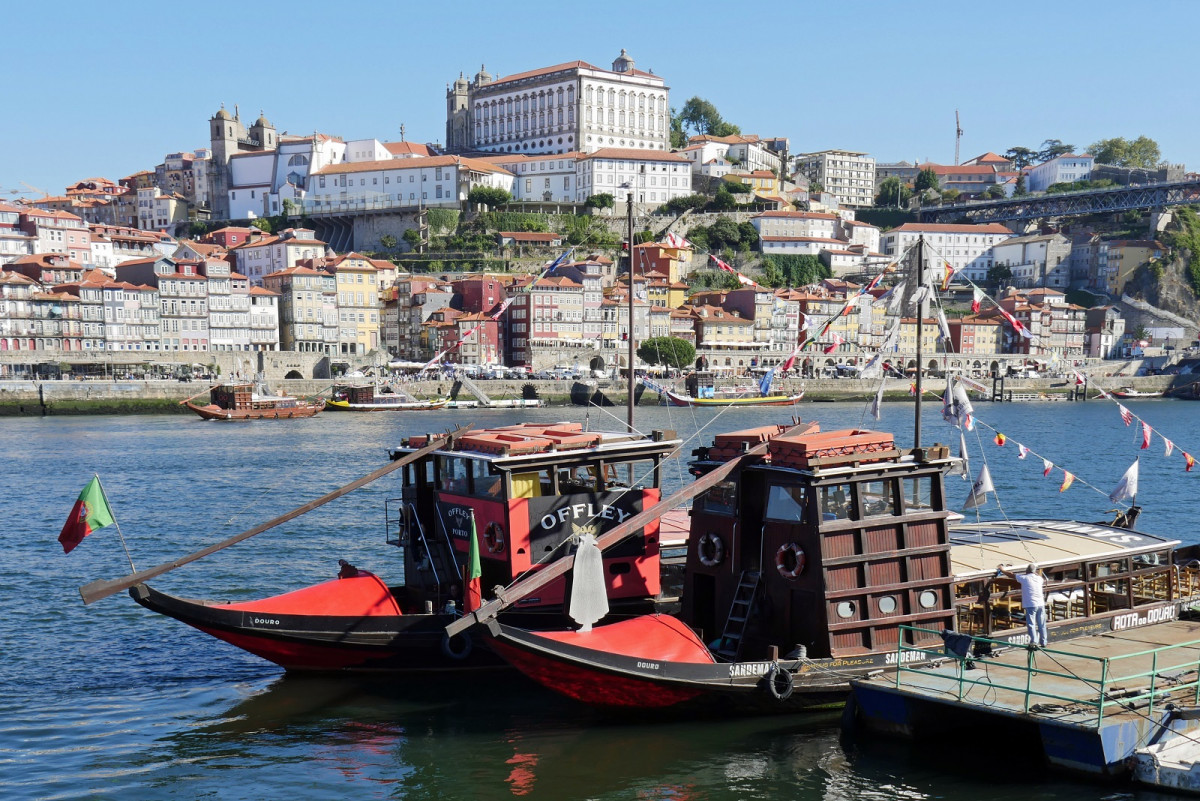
pixel 721 499
pixel 786 503
pixel 877 498
pixel 918 493
pixel 887 604
pixel 1072 573
pixel 576 479
pixel 1145 560
pixel 453 475
pixel 485 484
pixel 1113 567
pixel 845 609
pixel 835 502
pixel 928 599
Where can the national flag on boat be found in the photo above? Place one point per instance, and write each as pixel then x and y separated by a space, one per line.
pixel 722 265
pixel 554 265
pixel 764 386
pixel 833 343
pixel 1188 461
pixel 1016 324
pixel 1079 379
pixel 676 241
pixel 1127 487
pixel 949 274
pixel 1022 451
pixel 1146 429
pixel 1047 466
pixel 1068 480
pixel 1126 415
pixel 877 403
pixel 473 598
pixel 979 490
pixel 964 468
pixel 1168 446
pixel 976 299
pixel 90 513
pixel 1000 439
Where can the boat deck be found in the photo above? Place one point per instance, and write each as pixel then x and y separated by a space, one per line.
pixel 1093 700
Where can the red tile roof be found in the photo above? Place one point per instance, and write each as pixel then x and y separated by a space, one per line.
pixel 952 228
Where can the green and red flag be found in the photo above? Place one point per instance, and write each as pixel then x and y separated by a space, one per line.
pixel 474 596
pixel 91 512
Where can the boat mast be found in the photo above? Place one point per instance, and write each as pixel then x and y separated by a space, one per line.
pixel 629 378
pixel 920 324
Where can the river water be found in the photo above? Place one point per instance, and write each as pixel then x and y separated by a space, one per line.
pixel 111 701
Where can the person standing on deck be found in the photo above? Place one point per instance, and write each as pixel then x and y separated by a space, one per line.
pixel 1033 601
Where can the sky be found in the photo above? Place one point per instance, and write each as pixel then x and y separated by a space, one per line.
pixel 107 89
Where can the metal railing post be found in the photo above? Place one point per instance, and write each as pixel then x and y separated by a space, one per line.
pixel 1153 681
pixel 1103 690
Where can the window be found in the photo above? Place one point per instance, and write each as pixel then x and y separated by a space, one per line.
pixel 721 499
pixel 836 502
pixel 877 498
pixel 786 503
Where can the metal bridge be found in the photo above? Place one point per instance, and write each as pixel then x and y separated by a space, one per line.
pixel 1068 204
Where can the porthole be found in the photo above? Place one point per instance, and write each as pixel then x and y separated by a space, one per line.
pixel 928 599
pixel 845 609
pixel 887 604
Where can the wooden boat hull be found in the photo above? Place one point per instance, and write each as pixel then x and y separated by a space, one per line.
pixel 769 400
pixel 213 412
pixel 399 406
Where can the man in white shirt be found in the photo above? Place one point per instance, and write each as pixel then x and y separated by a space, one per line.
pixel 1033 601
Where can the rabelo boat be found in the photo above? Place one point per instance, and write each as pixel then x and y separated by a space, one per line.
pixel 242 402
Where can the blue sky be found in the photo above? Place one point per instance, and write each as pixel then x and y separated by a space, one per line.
pixel 109 88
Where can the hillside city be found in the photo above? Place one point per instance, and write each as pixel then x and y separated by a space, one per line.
pixel 366 251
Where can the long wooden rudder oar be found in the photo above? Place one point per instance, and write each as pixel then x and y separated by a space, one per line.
pixel 198 394
pixel 105 587
pixel 508 596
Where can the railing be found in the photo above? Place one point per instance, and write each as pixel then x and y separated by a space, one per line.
pixel 1112 689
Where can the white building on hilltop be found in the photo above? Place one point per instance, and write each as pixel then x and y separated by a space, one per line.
pixel 559 109
pixel 968 248
pixel 1063 169
pixel 849 176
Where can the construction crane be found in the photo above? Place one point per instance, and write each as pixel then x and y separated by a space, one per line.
pixel 957 138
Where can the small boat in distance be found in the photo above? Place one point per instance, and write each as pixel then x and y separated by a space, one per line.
pixel 1129 393
pixel 241 402
pixel 363 399
pixel 701 390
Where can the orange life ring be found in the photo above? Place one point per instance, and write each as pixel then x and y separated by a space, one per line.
pixel 710 549
pixel 493 538
pixel 797 559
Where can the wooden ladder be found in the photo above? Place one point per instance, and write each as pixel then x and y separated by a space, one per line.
pixel 730 645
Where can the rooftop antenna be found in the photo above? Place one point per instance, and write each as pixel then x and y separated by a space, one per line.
pixel 401 132
pixel 957 137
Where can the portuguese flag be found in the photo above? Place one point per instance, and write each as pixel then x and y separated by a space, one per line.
pixel 90 513
pixel 474 597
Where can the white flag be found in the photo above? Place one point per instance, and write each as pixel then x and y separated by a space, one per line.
pixel 963 406
pixel 1168 445
pixel 963 468
pixel 1127 487
pixel 877 404
pixel 979 490
pixel 1022 451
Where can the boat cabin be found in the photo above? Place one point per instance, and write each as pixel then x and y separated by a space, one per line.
pixel 700 384
pixel 241 397
pixel 823 548
pixel 527 492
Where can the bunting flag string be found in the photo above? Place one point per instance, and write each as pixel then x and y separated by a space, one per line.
pixel 978 295
pixel 1147 430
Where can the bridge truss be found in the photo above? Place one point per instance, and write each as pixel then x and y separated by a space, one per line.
pixel 1067 204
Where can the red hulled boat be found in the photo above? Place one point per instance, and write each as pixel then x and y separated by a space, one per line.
pixel 241 402
pixel 526 491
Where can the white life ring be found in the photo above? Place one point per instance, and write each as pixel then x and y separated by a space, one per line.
pixel 711 549
pixel 797 560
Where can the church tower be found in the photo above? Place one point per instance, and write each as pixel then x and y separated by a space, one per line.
pixel 623 62
pixel 458 117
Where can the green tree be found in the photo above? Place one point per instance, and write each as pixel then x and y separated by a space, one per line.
pixel 678 205
pixel 749 235
pixel 737 188
pixel 262 224
pixel 679 138
pixel 723 200
pixel 490 196
pixel 994 192
pixel 667 351
pixel 702 117
pixel 926 179
pixel 1020 156
pixel 698 236
pixel 604 200
pixel 772 276
pixel 998 274
pixel 815 186
pixel 724 233
pixel 1142 152
pixel 1053 148
pixel 950 195
pixel 799 270
pixel 1020 190
pixel 412 237
pixel 389 242
pixel 893 192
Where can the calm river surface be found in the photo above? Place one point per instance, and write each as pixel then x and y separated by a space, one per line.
pixel 111 701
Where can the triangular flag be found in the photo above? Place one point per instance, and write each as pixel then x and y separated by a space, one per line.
pixel 964 465
pixel 1068 480
pixel 912 389
pixel 1022 451
pixel 1168 446
pixel 1126 415
pixel 1127 487
pixel 1188 461
pixel 1000 439
pixel 1047 466
pixel 979 490
pixel 976 299
pixel 946 278
pixel 1146 429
